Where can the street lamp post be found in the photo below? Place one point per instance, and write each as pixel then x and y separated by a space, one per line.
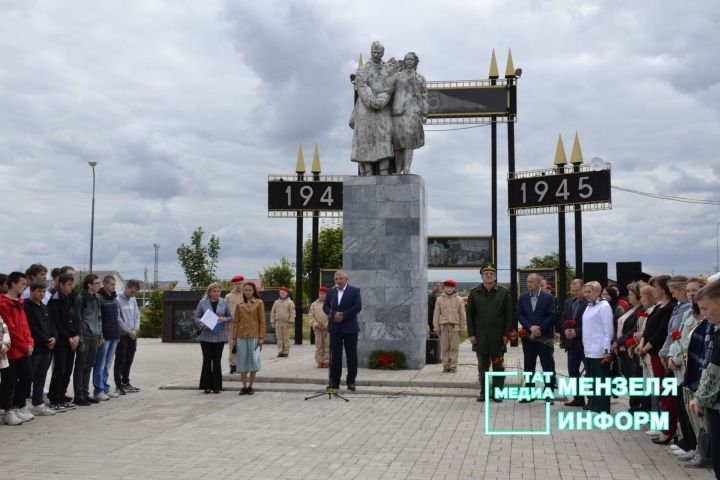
pixel 92 216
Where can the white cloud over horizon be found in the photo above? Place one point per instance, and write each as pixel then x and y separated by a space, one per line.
pixel 188 106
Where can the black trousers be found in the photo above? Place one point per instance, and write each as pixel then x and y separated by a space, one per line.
pixel 532 350
pixel 16 381
pixel 713 421
pixel 576 358
pixel 597 369
pixel 211 373
pixel 630 367
pixel 40 365
pixel 689 441
pixel 124 356
pixel 338 341
pixel 484 364
pixel 84 363
pixel 63 358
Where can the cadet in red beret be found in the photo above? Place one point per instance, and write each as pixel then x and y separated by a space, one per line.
pixel 319 323
pixel 282 317
pixel 234 298
pixel 448 321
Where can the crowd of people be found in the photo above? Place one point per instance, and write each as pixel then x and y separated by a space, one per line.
pixel 667 326
pixel 80 334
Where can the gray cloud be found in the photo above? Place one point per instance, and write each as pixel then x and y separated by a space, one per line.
pixel 188 107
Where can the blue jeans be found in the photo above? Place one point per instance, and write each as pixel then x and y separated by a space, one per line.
pixel 103 360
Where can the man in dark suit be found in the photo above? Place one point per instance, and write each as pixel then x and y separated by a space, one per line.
pixel 572 334
pixel 537 314
pixel 342 305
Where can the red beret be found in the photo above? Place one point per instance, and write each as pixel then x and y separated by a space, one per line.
pixel 283 289
pixel 237 278
pixel 450 283
pixel 322 290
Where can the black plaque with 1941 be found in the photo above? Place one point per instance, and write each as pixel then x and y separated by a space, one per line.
pixel 305 195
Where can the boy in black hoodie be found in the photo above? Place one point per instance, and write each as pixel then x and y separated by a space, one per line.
pixel 44 335
pixel 64 315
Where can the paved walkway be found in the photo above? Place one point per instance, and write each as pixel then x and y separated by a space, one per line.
pixel 437 433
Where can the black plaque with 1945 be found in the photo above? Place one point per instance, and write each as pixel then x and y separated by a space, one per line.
pixel 548 190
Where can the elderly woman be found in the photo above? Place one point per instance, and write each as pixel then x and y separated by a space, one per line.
pixel 597 322
pixel 248 330
pixel 676 360
pixel 654 338
pixel 213 340
pixel 706 401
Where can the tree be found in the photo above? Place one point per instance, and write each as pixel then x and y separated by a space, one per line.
pixel 553 261
pixel 330 252
pixel 197 261
pixel 279 274
pixel 152 316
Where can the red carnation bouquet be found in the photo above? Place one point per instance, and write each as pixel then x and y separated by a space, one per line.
pixel 526 336
pixel 569 324
pixel 676 335
pixel 630 342
pixel 642 315
pixel 512 334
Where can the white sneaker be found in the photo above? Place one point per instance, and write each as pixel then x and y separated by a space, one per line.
pixel 9 418
pixel 24 414
pixel 101 396
pixel 112 394
pixel 653 433
pixel 42 411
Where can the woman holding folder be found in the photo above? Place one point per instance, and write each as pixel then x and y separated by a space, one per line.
pixel 211 316
pixel 248 330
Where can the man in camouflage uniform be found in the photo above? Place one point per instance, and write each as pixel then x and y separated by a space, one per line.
pixel 489 320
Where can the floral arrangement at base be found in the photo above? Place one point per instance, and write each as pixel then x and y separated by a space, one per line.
pixel 387 360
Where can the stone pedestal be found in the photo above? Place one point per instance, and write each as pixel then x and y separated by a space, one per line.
pixel 385 255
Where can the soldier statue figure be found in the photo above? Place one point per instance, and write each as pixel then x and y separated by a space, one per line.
pixel 389 115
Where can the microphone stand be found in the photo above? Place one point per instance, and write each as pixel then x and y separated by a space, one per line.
pixel 329 390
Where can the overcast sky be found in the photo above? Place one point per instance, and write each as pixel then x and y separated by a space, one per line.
pixel 187 106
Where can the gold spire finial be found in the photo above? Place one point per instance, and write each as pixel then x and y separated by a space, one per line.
pixel 576 155
pixel 316 161
pixel 510 68
pixel 300 166
pixel 493 67
pixel 560 158
pixel 360 61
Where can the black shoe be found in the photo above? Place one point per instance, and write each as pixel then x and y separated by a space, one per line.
pixel 92 400
pixel 206 392
pixel 575 403
pixel 67 399
pixel 526 401
pixel 250 391
pixel 120 390
pixel 129 388
pixel 243 391
pixel 81 402
pixel 662 442
pixel 481 398
pixel 216 391
pixel 233 369
pixel 351 386
pixel 497 400
pixel 280 355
